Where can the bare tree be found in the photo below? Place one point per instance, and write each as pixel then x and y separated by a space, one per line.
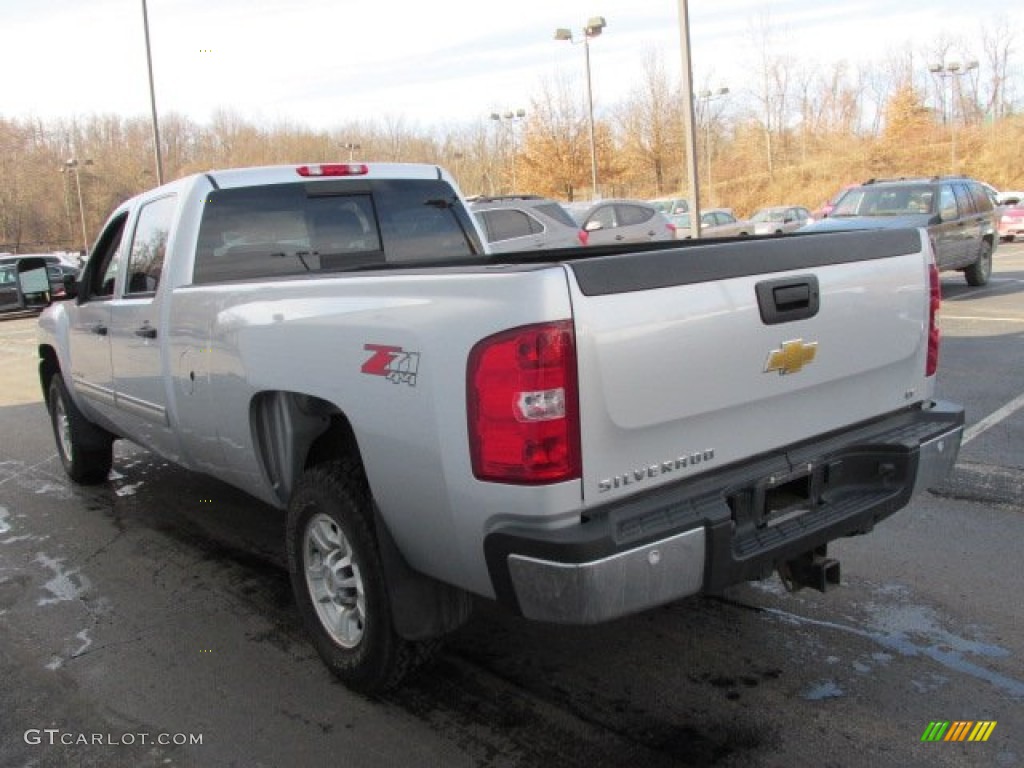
pixel 773 87
pixel 650 128
pixel 555 156
pixel 998 44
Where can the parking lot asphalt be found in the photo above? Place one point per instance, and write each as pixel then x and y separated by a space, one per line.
pixel 149 621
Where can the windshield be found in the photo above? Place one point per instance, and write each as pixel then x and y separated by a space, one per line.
pixel 671 207
pixel 768 214
pixel 886 201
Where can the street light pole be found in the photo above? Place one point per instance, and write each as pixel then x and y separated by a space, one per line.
pixel 351 146
pixel 73 165
pixel 152 100
pixel 952 72
pixel 688 121
pixel 592 29
pixel 512 117
pixel 707 97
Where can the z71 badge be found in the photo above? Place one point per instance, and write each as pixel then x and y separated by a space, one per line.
pixel 393 363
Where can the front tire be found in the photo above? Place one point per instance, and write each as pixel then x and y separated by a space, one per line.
pixel 85 450
pixel 979 272
pixel 338 580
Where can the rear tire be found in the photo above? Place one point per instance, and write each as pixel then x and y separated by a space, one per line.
pixel 338 580
pixel 85 450
pixel 979 272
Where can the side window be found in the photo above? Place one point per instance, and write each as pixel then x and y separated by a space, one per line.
pixel 963 199
pixel 149 246
pixel 101 271
pixel 507 224
pixel 982 200
pixel 947 203
pixel 558 213
pixel 605 215
pixel 633 214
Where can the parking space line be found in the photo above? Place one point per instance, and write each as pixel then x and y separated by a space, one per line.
pixel 992 419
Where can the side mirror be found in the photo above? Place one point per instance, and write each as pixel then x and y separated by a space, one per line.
pixel 592 226
pixel 70 287
pixel 33 282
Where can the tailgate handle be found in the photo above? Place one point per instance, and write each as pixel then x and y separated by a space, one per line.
pixel 788 299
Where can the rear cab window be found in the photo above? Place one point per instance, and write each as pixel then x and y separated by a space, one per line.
pixel 280 230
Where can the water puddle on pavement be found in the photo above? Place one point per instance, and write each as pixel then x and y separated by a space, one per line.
pixel 910 630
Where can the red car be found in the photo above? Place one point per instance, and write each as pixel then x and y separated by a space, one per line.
pixel 1010 221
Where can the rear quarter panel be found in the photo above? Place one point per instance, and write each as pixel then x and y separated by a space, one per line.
pixel 312 335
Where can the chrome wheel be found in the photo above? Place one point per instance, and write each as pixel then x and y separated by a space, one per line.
pixel 334 582
pixel 62 426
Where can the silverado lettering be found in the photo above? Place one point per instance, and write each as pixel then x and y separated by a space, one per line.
pixel 655 470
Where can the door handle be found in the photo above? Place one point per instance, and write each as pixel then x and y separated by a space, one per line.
pixel 99 329
pixel 146 332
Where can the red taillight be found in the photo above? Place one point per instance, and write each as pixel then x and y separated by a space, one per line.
pixel 584 236
pixel 935 301
pixel 523 405
pixel 333 169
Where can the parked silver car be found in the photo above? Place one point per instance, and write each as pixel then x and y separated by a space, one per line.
pixel 716 222
pixel 622 221
pixel 671 206
pixel 777 219
pixel 525 222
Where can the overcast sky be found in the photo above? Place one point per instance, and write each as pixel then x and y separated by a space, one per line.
pixel 323 63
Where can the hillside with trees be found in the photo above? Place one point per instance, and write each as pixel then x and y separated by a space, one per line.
pixel 797 136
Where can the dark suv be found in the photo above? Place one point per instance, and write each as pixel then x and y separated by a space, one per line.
pixel 956 211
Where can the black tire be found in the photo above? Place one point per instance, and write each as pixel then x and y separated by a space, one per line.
pixel 345 607
pixel 85 450
pixel 979 272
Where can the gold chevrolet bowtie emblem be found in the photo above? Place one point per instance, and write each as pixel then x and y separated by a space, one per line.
pixel 793 356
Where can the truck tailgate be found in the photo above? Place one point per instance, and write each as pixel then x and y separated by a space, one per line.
pixel 694 358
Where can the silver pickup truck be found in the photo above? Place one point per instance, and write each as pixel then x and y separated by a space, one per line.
pixel 579 434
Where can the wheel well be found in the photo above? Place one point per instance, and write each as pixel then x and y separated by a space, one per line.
pixel 48 366
pixel 293 431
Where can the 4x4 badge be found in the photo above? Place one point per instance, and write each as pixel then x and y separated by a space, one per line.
pixel 393 363
pixel 791 358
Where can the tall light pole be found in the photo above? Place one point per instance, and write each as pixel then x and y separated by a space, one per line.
pixel 706 98
pixel 351 146
pixel 152 100
pixel 511 117
pixel 688 121
pixel 593 28
pixel 72 166
pixel 952 72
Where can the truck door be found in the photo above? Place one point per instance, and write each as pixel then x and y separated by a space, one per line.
pixel 90 323
pixel 949 244
pixel 135 342
pixel 970 223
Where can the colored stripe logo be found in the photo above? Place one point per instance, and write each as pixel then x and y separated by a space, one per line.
pixel 958 730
